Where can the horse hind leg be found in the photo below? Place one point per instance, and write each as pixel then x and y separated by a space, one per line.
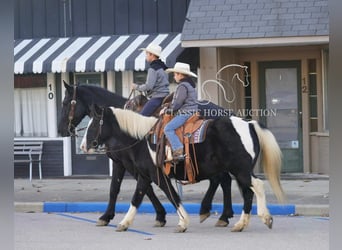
pixel 225 181
pixel 262 210
pixel 164 184
pixel 208 198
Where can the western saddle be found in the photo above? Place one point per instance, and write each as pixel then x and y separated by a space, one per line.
pixel 185 134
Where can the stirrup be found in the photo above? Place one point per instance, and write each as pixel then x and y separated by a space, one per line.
pixel 177 159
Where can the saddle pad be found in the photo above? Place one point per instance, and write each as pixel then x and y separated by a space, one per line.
pixel 198 135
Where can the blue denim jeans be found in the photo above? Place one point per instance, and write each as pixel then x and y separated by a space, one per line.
pixel 170 130
pixel 151 106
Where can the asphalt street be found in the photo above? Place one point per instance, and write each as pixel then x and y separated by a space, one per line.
pixel 64 231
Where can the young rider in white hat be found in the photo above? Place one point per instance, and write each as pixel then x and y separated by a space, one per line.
pixel 157 81
pixel 183 106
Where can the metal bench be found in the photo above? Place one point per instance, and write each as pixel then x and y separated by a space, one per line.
pixel 29 152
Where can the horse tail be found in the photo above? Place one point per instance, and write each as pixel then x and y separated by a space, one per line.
pixel 270 159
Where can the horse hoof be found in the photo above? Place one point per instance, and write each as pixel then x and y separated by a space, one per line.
pixel 159 223
pixel 102 223
pixel 121 228
pixel 236 229
pixel 203 217
pixel 180 229
pixel 221 223
pixel 269 222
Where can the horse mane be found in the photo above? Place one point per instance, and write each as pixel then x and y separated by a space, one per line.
pixel 134 124
pixel 101 96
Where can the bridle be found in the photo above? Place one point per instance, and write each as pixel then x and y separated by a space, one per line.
pixel 95 143
pixel 71 127
pixel 72 113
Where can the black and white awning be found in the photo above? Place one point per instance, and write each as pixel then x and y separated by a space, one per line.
pixel 91 54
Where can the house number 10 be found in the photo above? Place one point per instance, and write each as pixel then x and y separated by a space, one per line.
pixel 50 93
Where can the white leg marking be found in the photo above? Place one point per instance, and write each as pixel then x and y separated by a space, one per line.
pixel 184 219
pixel 129 217
pixel 259 191
pixel 242 223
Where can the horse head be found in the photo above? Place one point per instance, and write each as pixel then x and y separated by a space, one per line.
pixel 97 130
pixel 73 111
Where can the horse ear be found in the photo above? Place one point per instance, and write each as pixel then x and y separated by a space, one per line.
pixel 95 109
pixel 68 87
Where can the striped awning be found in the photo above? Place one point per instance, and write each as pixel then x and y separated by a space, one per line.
pixel 91 54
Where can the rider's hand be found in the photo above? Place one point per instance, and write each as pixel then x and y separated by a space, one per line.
pixel 162 111
pixel 134 86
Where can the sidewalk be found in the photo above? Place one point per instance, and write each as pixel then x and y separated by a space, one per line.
pixel 306 195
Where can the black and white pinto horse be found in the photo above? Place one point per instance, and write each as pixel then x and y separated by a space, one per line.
pixel 76 105
pixel 231 144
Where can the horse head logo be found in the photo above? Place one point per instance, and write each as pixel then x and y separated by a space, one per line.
pixel 221 82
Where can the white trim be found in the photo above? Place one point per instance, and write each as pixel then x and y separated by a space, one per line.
pixel 67 157
pixel 38 63
pixel 59 63
pixel 120 61
pixel 100 62
pixel 170 48
pixel 21 45
pixel 51 105
pixel 19 64
pixel 80 63
pixel 111 81
pixel 257 42
pixel 127 80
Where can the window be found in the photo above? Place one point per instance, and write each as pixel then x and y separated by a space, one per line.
pixel 248 91
pixel 313 95
pixel 30 106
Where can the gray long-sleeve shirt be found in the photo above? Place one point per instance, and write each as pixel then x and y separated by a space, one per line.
pixel 157 83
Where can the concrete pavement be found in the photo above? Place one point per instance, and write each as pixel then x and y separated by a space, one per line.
pixel 307 194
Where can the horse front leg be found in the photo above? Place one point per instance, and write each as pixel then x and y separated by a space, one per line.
pixel 117 177
pixel 140 191
pixel 160 210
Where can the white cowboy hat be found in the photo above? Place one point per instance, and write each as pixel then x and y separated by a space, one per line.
pixel 182 68
pixel 153 49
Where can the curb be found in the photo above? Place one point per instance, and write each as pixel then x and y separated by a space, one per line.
pixel 191 208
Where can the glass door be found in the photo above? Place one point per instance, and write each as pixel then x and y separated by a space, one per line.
pixel 279 92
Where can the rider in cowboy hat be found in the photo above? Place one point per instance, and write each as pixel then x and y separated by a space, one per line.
pixel 183 106
pixel 157 81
